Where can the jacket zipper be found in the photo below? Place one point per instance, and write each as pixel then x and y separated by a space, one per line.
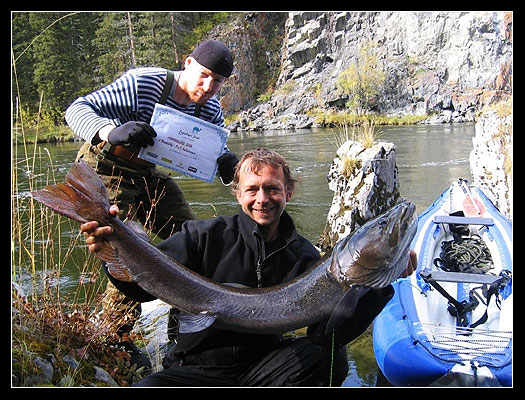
pixel 258 271
pixel 258 266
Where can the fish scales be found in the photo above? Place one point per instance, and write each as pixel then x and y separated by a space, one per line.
pixel 374 256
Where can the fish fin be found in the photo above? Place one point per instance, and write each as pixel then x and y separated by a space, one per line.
pixel 118 271
pixel 191 323
pixel 188 341
pixel 85 179
pixel 82 197
pixel 193 329
pixel 345 308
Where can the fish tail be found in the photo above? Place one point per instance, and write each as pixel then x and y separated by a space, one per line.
pixel 82 196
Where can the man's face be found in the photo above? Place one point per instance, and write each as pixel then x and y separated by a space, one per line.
pixel 201 83
pixel 263 196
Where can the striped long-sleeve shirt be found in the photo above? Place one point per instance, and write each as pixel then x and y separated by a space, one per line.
pixel 132 97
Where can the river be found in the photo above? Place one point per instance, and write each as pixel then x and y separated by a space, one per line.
pixel 429 157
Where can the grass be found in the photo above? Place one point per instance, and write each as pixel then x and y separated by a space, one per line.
pixel 34 134
pixel 334 119
pixel 47 322
pixel 364 131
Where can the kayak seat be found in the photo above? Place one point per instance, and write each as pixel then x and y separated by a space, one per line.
pixel 445 276
pixel 449 219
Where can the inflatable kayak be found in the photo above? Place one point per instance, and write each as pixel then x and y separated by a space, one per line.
pixel 450 322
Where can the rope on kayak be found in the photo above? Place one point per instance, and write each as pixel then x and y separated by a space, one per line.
pixel 468 254
pixel 465 254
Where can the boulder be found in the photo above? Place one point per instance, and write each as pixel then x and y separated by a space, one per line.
pixel 365 184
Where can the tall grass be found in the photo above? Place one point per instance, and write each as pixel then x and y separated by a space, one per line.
pixel 362 131
pixel 46 321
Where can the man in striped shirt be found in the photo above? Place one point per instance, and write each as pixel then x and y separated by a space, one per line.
pixel 114 122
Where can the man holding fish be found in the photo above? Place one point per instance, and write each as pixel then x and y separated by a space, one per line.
pixel 260 248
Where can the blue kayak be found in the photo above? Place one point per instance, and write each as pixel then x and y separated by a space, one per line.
pixel 450 322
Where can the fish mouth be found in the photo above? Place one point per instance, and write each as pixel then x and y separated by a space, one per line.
pixel 409 220
pixel 407 210
pixel 400 227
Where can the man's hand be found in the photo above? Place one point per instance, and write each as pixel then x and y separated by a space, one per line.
pixel 94 234
pixel 411 266
pixel 136 133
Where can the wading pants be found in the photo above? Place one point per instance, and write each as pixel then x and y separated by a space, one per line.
pixel 143 193
pixel 295 362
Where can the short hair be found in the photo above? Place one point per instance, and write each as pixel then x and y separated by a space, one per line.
pixel 258 158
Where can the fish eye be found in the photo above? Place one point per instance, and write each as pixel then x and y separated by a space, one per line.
pixel 382 221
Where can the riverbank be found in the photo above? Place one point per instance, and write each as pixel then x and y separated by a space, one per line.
pixel 31 135
pixel 64 345
pixel 240 122
pixel 256 119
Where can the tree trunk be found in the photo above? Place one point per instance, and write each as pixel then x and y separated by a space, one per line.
pixel 131 42
pixel 173 36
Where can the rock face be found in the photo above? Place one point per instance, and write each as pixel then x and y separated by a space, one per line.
pixel 255 40
pixel 447 63
pixel 365 184
pixel 491 156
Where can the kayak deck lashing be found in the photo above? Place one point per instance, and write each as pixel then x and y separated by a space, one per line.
pixel 462 344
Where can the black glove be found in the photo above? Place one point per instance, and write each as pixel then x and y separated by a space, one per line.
pixel 136 133
pixel 227 163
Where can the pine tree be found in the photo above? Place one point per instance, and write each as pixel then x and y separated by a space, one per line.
pixel 62 55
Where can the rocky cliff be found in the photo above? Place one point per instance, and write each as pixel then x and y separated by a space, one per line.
pixel 491 156
pixel 445 64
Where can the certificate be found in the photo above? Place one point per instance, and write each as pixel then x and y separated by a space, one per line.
pixel 185 143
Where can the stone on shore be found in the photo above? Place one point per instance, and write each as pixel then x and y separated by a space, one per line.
pixel 365 184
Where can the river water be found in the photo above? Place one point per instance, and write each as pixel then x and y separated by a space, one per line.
pixel 429 157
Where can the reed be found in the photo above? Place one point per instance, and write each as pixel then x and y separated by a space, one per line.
pixel 364 131
pixel 46 318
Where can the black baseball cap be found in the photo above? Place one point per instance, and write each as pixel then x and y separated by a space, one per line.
pixel 215 56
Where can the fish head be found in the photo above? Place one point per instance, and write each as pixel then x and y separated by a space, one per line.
pixel 377 253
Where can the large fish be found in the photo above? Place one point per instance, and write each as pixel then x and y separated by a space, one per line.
pixel 374 256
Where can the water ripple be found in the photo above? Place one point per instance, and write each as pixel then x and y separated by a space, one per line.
pixel 435 163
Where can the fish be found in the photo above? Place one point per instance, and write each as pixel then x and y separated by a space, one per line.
pixel 372 257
